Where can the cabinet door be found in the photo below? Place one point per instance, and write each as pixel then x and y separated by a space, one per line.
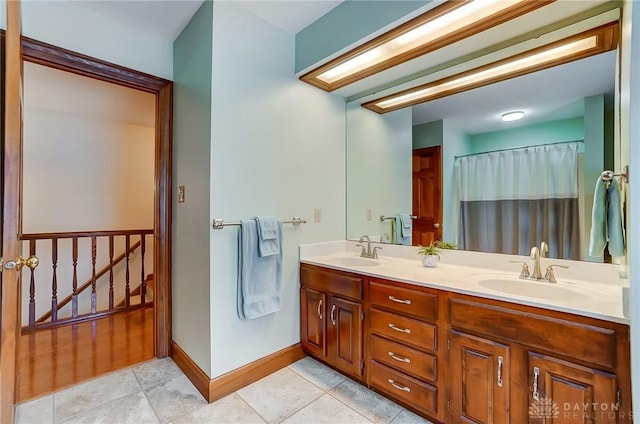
pixel 479 373
pixel 313 317
pixel 570 393
pixel 345 336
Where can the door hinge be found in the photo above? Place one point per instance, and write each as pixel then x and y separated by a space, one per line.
pixel 448 344
pixel 618 398
pixel 448 406
pixel 361 315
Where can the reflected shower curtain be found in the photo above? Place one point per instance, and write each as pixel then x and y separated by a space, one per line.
pixel 512 200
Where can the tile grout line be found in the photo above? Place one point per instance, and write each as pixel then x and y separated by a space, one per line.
pixel 349 406
pixel 250 407
pixel 144 393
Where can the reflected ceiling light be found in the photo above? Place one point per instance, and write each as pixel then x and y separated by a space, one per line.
pixel 588 43
pixel 512 116
pixel 445 24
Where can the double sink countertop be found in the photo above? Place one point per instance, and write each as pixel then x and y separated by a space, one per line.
pixel 589 289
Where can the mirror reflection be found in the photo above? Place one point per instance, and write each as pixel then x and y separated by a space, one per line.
pixel 484 183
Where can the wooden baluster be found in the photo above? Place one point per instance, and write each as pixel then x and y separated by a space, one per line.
pixel 32 288
pixel 111 272
pixel 54 280
pixel 94 251
pixel 127 290
pixel 143 282
pixel 74 293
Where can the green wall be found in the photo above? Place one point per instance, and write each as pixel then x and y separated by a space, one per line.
pixel 528 135
pixel 346 24
pixel 192 60
pixel 428 135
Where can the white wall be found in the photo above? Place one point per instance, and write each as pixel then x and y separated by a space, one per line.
pixel 66 24
pixel 378 169
pixel 85 174
pixel 277 148
pixel 454 143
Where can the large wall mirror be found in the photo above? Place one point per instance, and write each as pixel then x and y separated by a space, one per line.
pixel 430 160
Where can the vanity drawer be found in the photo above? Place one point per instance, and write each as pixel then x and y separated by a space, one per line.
pixel 549 333
pixel 404 300
pixel 404 358
pixel 407 389
pixel 343 284
pixel 404 329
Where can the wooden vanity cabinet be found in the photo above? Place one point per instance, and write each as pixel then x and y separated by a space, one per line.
pixel 479 379
pixel 404 349
pixel 332 318
pixel 510 363
pixel 456 358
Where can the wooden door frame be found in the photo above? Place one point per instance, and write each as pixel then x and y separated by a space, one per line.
pixel 11 151
pixel 66 60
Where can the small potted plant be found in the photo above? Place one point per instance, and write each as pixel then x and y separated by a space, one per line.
pixel 430 254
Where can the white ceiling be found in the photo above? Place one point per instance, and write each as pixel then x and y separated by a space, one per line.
pixel 290 15
pixel 552 94
pixel 165 18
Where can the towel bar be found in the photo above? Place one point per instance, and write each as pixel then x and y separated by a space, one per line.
pixel 610 175
pixel 218 223
pixel 382 217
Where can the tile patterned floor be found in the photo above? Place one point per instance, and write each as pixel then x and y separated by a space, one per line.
pixel 305 392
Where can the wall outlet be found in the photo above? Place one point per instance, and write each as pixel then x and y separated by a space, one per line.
pixel 181 194
pixel 317 215
pixel 368 214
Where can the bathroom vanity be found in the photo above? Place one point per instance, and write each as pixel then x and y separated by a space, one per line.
pixel 443 344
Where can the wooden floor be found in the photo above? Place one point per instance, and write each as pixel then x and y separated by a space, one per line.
pixel 58 358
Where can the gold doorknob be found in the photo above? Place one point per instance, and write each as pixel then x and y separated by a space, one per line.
pixel 31 262
pixel 436 225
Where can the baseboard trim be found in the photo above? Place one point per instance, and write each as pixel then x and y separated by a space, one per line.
pixel 221 386
pixel 193 372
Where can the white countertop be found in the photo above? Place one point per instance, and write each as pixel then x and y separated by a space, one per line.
pixel 587 289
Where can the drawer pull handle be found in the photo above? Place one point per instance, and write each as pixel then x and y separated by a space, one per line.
pixel 400 330
pixel 399 358
pixel 320 309
pixel 399 387
pixel 536 373
pixel 500 360
pixel 333 314
pixel 395 299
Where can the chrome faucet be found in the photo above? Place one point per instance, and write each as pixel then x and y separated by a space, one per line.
pixel 367 253
pixel 536 254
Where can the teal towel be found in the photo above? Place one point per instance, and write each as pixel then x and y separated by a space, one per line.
pixel 598 236
pixel 606 220
pixel 268 236
pixel 398 231
pixel 405 218
pixel 614 220
pixel 259 278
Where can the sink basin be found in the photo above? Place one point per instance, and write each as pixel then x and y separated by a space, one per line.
pixel 538 290
pixel 355 261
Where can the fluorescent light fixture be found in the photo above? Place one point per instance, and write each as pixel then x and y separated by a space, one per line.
pixel 588 43
pixel 445 24
pixel 512 116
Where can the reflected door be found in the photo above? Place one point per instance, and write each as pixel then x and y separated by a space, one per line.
pixel 427 195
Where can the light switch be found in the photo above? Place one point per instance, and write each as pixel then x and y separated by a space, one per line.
pixel 368 214
pixel 317 215
pixel 181 194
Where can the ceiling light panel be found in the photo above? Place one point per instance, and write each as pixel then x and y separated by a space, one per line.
pixel 588 43
pixel 446 24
